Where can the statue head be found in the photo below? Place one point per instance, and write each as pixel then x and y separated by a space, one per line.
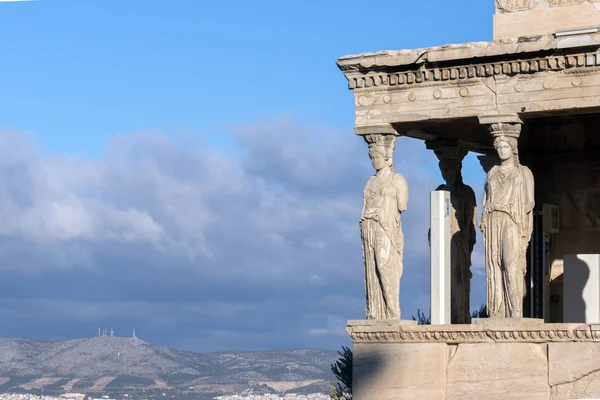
pixel 381 150
pixel 380 158
pixel 451 170
pixel 450 156
pixel 506 140
pixel 506 147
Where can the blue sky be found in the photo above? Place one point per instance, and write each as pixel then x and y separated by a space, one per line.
pixel 76 72
pixel 138 137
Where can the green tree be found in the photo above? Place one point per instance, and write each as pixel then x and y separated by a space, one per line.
pixel 426 320
pixel 421 319
pixel 342 369
pixel 481 313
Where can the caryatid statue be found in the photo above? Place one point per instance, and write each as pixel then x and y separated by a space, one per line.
pixel 463 226
pixel 507 223
pixel 385 198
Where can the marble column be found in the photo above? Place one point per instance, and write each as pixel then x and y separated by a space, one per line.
pixel 506 222
pixel 462 226
pixel 385 199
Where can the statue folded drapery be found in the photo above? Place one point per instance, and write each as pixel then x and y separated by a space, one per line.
pixel 385 197
pixel 463 226
pixel 507 223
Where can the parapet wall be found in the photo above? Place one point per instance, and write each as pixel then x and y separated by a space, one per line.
pixel 516 18
pixel 488 360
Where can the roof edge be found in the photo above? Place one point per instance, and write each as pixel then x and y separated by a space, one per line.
pixel 449 52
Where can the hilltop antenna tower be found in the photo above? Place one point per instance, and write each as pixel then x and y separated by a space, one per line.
pixel 104 332
pixel 134 333
pixel 111 332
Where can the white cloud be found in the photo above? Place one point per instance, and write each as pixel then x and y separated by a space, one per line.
pixel 335 327
pixel 262 239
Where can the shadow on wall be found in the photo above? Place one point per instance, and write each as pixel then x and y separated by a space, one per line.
pixel 576 280
pixel 369 365
pixel 400 371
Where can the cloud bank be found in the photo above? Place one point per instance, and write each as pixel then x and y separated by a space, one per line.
pixel 250 245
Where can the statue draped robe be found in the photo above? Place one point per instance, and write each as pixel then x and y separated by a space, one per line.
pixel 383 243
pixel 507 223
pixel 463 226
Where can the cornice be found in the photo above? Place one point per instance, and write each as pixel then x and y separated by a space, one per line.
pixel 457 334
pixel 447 53
pixel 427 75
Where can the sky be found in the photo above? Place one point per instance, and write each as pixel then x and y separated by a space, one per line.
pixel 189 169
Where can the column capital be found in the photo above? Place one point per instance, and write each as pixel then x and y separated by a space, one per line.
pixel 378 139
pixel 505 129
pixel 381 129
pixel 447 149
pixel 490 119
pixel 503 124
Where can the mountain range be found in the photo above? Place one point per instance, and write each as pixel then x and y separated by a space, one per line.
pixel 106 363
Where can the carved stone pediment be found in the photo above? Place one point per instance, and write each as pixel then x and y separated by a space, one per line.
pixel 517 5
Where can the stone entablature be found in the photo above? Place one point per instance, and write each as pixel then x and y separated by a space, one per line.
pixel 531 332
pixel 423 74
pixel 523 77
pixel 460 53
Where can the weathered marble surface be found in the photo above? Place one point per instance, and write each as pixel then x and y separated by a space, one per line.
pixel 574 370
pixel 496 359
pixel 449 52
pixel 469 80
pixel 399 371
pixel 509 6
pixel 498 371
pixel 385 198
pixel 570 362
pixel 515 18
pixel 502 330
pixel 507 224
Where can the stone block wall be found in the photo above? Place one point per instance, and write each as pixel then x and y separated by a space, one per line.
pixel 516 18
pixel 522 359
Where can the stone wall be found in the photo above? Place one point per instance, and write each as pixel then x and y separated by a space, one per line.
pixel 515 18
pixel 489 360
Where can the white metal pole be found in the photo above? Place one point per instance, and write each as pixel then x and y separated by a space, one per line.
pixel 440 257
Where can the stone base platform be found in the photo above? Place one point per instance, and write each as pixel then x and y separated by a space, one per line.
pixel 487 360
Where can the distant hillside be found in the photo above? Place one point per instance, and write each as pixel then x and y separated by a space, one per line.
pixel 115 363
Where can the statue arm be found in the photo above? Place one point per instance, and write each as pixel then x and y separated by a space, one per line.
pixel 530 190
pixel 362 213
pixel 471 215
pixel 401 192
pixel 483 205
